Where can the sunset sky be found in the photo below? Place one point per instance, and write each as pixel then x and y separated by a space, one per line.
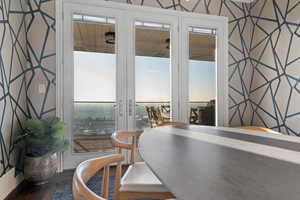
pixel 95 80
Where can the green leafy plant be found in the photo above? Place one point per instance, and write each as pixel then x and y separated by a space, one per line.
pixel 42 137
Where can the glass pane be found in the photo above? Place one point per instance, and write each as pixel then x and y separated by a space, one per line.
pixel 152 72
pixel 94 83
pixel 202 76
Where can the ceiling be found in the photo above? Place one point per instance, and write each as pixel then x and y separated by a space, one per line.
pixel 149 42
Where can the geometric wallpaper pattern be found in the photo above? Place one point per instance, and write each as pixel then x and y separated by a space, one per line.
pixel 40 33
pixel 275 60
pixel 12 78
pixel 263 66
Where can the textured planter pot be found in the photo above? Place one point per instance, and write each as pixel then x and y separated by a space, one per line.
pixel 38 170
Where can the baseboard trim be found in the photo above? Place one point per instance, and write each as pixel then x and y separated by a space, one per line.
pixel 9 182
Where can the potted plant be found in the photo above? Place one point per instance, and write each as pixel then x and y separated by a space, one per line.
pixel 40 142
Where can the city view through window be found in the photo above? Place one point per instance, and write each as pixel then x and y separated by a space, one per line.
pixel 96 109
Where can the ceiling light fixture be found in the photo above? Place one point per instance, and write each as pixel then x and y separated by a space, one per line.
pixel 168 43
pixel 110 37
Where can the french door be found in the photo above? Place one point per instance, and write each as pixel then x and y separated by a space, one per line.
pixel 117 60
pixel 152 66
pixel 203 71
pixel 94 83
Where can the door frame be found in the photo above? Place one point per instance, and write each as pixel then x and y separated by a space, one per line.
pixel 67 76
pixel 174 60
pixel 222 56
pixel 221 27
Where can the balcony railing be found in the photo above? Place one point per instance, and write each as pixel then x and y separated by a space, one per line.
pixel 94 122
pixel 98 117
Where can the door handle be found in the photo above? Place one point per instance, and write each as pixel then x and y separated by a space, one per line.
pixel 130 107
pixel 120 108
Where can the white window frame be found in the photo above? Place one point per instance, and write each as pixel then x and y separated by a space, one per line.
pixel 220 24
pixel 180 82
pixel 67 73
pixel 174 59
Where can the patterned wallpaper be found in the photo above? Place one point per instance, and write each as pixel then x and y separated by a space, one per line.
pixel 12 78
pixel 263 59
pixel 41 55
pixel 275 60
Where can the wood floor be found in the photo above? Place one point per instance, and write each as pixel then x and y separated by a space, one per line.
pixel 83 144
pixel 45 192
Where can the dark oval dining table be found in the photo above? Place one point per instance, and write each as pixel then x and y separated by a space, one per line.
pixel 215 163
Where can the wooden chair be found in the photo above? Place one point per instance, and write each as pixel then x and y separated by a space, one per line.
pixel 154 116
pixel 165 112
pixel 207 115
pixel 258 128
pixel 87 169
pixel 166 109
pixel 194 116
pixel 138 181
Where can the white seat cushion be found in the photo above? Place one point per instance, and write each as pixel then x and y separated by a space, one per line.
pixel 139 178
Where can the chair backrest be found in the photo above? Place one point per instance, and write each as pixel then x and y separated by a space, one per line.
pixel 194 116
pixel 154 115
pixel 258 128
pixel 87 169
pixel 150 116
pixel 207 115
pixel 166 109
pixel 149 113
pixel 118 138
